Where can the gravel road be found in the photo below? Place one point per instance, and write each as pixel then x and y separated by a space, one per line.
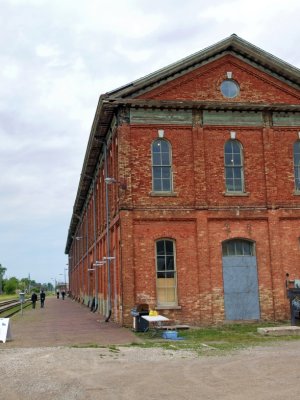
pixel 262 373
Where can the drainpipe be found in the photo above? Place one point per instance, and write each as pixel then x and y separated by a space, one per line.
pixel 107 238
pixel 87 254
pixel 95 247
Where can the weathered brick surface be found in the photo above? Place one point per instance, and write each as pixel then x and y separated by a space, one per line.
pixel 204 84
pixel 199 215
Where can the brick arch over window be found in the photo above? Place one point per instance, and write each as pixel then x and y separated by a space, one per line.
pixel 234 167
pixel 296 153
pixel 166 279
pixel 161 166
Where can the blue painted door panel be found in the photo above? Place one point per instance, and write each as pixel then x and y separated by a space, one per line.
pixel 240 288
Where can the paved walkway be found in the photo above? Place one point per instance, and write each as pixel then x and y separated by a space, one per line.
pixel 64 323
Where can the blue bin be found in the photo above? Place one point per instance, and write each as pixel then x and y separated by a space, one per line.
pixel 170 335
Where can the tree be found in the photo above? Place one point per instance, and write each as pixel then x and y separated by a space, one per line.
pixel 11 285
pixel 24 284
pixel 2 272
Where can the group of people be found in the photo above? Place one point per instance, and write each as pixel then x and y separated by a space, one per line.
pixel 34 299
pixel 63 293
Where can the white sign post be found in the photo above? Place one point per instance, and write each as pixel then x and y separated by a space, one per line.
pixel 5 333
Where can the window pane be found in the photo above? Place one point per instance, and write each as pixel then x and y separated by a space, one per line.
pixel 236 148
pixel 230 185
pixel 247 248
pixel 237 159
pixel 156 159
pixel 297 178
pixel 228 159
pixel 230 248
pixel 238 248
pixel 161 265
pixel 228 147
pixel 157 187
pixel 164 146
pixel 170 263
pixel 165 172
pixel 297 147
pixel 238 187
pixel 237 173
pixel 165 159
pixel 169 247
pixel 166 185
pixel 160 248
pixel 156 147
pixel 157 172
pixel 229 173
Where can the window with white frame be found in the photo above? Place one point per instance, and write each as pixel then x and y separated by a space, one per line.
pixel 161 166
pixel 234 166
pixel 297 165
pixel 166 286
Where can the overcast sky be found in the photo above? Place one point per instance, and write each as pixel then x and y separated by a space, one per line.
pixel 56 58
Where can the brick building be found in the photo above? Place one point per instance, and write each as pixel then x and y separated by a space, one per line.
pixel 197 169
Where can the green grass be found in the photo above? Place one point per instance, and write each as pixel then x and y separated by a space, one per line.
pixel 215 340
pixel 4 297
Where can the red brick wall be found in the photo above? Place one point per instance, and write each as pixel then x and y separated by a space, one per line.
pixel 199 216
pixel 204 84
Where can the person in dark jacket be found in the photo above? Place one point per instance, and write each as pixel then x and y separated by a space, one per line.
pixel 33 299
pixel 42 297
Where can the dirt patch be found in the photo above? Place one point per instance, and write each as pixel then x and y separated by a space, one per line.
pixel 134 373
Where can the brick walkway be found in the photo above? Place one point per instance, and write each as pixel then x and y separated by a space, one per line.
pixel 64 323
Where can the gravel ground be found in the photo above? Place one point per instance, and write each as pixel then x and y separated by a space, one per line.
pixel 268 373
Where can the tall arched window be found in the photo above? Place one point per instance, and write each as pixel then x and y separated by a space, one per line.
pixel 234 166
pixel 297 164
pixel 166 272
pixel 161 166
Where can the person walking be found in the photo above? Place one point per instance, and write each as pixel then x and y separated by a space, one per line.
pixel 33 299
pixel 63 293
pixel 57 294
pixel 42 297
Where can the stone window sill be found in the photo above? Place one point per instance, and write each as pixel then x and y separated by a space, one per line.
pixel 163 194
pixel 297 193
pixel 236 194
pixel 168 307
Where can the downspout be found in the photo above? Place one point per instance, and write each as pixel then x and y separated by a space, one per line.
pixel 107 238
pixel 95 247
pixel 87 255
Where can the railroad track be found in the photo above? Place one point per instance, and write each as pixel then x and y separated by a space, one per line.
pixel 11 307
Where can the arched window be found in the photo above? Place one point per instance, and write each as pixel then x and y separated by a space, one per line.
pixel 166 286
pixel 234 166
pixel 297 164
pixel 161 166
pixel 238 247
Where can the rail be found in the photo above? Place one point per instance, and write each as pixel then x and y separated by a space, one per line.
pixel 10 307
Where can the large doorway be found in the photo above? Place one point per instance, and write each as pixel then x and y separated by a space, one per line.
pixel 241 300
